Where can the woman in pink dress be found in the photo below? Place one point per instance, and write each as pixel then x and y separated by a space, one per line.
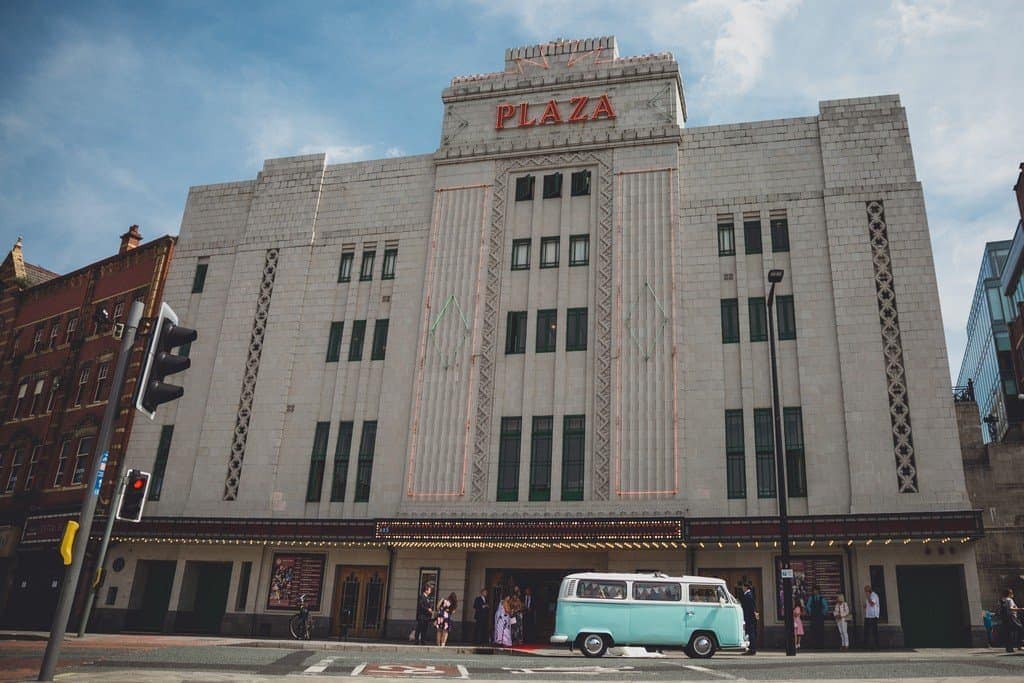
pixel 798 624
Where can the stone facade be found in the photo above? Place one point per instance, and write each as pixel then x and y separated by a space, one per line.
pixel 862 364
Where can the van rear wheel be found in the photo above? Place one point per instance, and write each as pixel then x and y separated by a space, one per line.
pixel 702 646
pixel 593 644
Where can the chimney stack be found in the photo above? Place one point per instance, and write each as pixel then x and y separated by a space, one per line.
pixel 130 239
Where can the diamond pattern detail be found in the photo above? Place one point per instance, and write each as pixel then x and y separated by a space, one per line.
pixel 646 321
pixel 454 340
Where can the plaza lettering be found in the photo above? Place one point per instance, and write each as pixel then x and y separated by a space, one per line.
pixel 579 109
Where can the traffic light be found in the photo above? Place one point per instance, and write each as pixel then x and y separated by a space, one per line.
pixel 166 334
pixel 136 487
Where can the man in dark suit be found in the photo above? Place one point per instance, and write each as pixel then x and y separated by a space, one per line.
pixel 750 617
pixel 482 617
pixel 424 612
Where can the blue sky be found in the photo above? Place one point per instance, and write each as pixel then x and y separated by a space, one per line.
pixel 110 111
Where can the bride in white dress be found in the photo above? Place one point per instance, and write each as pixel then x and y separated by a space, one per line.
pixel 502 625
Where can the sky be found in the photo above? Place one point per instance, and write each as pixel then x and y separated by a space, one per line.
pixel 110 111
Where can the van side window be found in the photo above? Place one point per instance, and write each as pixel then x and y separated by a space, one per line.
pixel 703 593
pixel 603 590
pixel 658 592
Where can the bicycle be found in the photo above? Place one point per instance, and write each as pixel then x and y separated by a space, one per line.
pixel 301 624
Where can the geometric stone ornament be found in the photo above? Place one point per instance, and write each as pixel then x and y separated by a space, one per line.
pixel 646 331
pixel 892 349
pixel 450 355
pixel 250 373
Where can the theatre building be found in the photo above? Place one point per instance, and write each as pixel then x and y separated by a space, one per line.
pixel 543 348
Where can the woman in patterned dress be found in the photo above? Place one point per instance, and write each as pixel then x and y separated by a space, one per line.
pixel 798 623
pixel 443 620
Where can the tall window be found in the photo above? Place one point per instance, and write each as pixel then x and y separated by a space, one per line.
pixel 387 272
pixel 576 329
pixel 752 235
pixel 101 381
pixel 72 326
pixel 521 254
pixel 355 344
pixel 37 341
pixel 730 321
pixel 581 183
pixel 787 317
pixel 199 279
pixel 726 236
pixel 53 395
pixel 82 458
pixel 380 340
pixel 54 332
pixel 579 250
pixel 17 462
pixel 83 379
pixel 22 390
pixel 547 330
pixel 796 472
pixel 334 341
pixel 549 252
pixel 36 397
pixel 62 462
pixel 764 447
pixel 735 457
pixel 758 319
pixel 574 436
pixel 345 267
pixel 33 465
pixel 524 188
pixel 118 312
pixel 364 466
pixel 540 459
pixel 552 185
pixel 342 449
pixel 515 332
pixel 163 449
pixel 366 269
pixel 780 231
pixel 316 462
pixel 509 447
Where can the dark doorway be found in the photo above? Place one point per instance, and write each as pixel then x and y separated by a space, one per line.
pixel 544 585
pixel 204 597
pixel 933 602
pixel 151 594
pixel 34 590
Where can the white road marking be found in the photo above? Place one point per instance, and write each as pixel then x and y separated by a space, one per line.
pixel 358 670
pixel 463 670
pixel 711 672
pixel 320 666
pixel 583 670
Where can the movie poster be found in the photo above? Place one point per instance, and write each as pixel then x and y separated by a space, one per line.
pixel 824 571
pixel 293 575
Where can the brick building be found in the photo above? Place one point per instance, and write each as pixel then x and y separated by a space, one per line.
pixel 56 364
pixel 543 348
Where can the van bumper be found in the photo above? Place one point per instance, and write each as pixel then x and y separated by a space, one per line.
pixel 559 639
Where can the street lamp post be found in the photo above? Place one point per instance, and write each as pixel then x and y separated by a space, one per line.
pixel 775 277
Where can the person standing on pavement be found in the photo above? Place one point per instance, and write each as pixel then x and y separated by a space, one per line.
pixel 841 612
pixel 872 609
pixel 443 620
pixel 528 615
pixel 1010 616
pixel 817 608
pixel 482 617
pixel 424 612
pixel 750 617
pixel 798 622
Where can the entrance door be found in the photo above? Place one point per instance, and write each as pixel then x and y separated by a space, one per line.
pixel 357 608
pixel 932 606
pixel 734 579
pixel 543 585
pixel 153 581
pixel 211 595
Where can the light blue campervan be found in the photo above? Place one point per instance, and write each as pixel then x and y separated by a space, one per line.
pixel 597 610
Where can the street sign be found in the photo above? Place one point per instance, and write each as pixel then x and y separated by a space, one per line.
pixel 787 573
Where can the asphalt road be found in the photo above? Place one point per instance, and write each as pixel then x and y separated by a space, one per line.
pixel 156 660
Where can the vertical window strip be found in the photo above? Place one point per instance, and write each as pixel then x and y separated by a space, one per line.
pixel 390 261
pixel 509 448
pixel 540 458
pixel 579 250
pixel 553 186
pixel 364 466
pixel 580 183
pixel 515 332
pixel 547 330
pixel 758 319
pixel 163 449
pixel 199 279
pixel 17 460
pixel 524 188
pixel 345 266
pixel 574 434
pixel 779 229
pixel 787 317
pixel 81 458
pixel 342 450
pixel 521 254
pixel 62 463
pixel 730 321
pixel 316 462
pixel 334 341
pixel 764 447
pixel 380 340
pixel 576 329
pixel 33 464
pixel 366 269
pixel 726 235
pixel 752 235
pixel 355 344
pixel 549 247
pixel 796 471
pixel 735 455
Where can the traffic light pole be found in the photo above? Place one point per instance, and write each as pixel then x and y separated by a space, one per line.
pixel 94 587
pixel 96 469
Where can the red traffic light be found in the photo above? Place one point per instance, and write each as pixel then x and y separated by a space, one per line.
pixel 138 483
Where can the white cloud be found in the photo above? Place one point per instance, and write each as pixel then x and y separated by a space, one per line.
pixel 921 20
pixel 745 42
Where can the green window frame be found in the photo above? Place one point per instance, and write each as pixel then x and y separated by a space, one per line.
pixel 576 329
pixel 509 448
pixel 752 236
pixel 334 341
pixel 524 188
pixel 730 321
pixel 355 344
pixel 758 319
pixel 796 466
pixel 364 465
pixel 366 269
pixel 574 440
pixel 547 330
pixel 780 234
pixel 380 340
pixel 515 332
pixel 786 311
pixel 764 449
pixel 317 460
pixel 553 185
pixel 199 279
pixel 345 266
pixel 342 451
pixel 580 183
pixel 726 237
pixel 735 455
pixel 579 250
pixel 387 271
pixel 540 458
pixel 163 449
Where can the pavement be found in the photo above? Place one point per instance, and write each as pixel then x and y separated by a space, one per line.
pixel 185 659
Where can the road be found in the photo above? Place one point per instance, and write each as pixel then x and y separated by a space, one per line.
pixel 165 659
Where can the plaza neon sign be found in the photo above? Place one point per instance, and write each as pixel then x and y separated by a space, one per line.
pixel 578 110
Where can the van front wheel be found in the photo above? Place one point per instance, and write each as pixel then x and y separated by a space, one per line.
pixel 702 646
pixel 593 644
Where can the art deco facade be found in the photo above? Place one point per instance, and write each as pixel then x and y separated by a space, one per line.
pixel 544 348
